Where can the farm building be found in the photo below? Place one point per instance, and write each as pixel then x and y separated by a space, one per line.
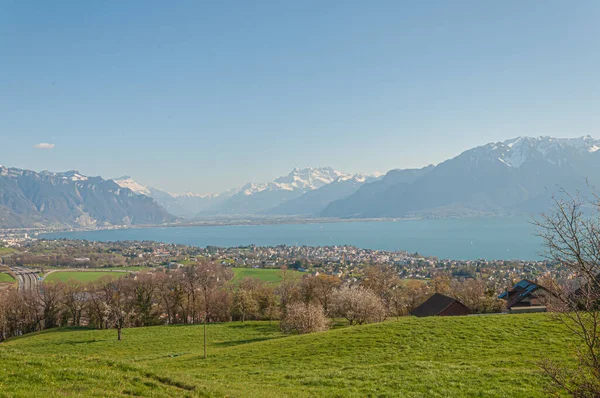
pixel 440 305
pixel 525 296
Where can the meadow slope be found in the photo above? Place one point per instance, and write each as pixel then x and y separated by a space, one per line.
pixel 485 356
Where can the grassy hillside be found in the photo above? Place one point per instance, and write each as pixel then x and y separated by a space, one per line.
pixel 6 278
pixel 488 356
pixel 264 274
pixel 82 276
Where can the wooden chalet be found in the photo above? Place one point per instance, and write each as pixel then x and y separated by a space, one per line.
pixel 525 296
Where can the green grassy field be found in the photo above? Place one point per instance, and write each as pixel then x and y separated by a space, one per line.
pixel 5 250
pixel 82 276
pixel 487 356
pixel 132 269
pixel 6 278
pixel 264 274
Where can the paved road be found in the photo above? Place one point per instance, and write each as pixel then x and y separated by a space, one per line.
pixel 26 277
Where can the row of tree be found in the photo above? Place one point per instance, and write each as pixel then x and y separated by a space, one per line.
pixel 200 293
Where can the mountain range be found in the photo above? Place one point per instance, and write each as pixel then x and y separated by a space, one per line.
pixel 515 176
pixel 31 199
pixel 302 192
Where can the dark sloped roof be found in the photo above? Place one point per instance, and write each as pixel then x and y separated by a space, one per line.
pixel 434 305
pixel 520 291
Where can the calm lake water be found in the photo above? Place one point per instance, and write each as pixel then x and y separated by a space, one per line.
pixel 464 239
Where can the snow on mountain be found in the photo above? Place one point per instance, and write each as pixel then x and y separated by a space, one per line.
pixel 298 180
pixel 515 152
pixel 516 176
pixel 314 201
pixel 304 180
pixel 32 199
pixel 128 182
pixel 255 198
pixel 72 175
pixel 194 195
pixel 185 204
pixel 359 177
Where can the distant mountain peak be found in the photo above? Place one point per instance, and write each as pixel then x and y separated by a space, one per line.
pixel 130 183
pixel 72 175
pixel 515 152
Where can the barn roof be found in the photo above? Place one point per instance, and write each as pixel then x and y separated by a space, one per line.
pixel 434 305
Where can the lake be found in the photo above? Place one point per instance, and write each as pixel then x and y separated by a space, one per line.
pixel 460 239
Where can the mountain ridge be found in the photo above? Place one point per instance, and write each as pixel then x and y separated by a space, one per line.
pixel 260 198
pixel 512 176
pixel 70 199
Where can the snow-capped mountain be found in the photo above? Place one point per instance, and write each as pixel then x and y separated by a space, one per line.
pixel 185 204
pixel 509 177
pixel 517 151
pixel 31 199
pixel 128 182
pixel 298 180
pixel 72 175
pixel 314 201
pixel 260 198
pixel 514 176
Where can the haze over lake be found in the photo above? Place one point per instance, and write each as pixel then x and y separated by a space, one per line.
pixel 461 239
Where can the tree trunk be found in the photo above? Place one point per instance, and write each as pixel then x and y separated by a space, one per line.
pixel 205 337
pixel 119 333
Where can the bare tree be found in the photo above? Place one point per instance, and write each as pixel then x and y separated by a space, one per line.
pixel 145 298
pixel 118 304
pixel 4 331
pixel 382 279
pixel 571 235
pixel 287 289
pixel 264 294
pixel 307 288
pixel 210 276
pixel 74 300
pixel 172 295
pixel 475 294
pixel 325 287
pixel 50 297
pixel 269 306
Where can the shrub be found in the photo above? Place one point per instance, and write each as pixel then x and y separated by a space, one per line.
pixel 304 318
pixel 358 305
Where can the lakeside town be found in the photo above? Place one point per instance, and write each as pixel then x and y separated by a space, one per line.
pixel 345 262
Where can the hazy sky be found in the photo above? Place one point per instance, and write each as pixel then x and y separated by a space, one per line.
pixel 204 96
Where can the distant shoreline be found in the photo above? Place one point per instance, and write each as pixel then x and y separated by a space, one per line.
pixel 506 238
pixel 249 221
pixel 215 223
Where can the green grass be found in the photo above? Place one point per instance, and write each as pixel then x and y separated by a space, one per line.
pixel 82 276
pixel 487 356
pixel 6 250
pixel 6 278
pixel 131 269
pixel 264 274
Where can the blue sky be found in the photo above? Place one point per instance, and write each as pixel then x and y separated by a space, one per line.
pixel 204 96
